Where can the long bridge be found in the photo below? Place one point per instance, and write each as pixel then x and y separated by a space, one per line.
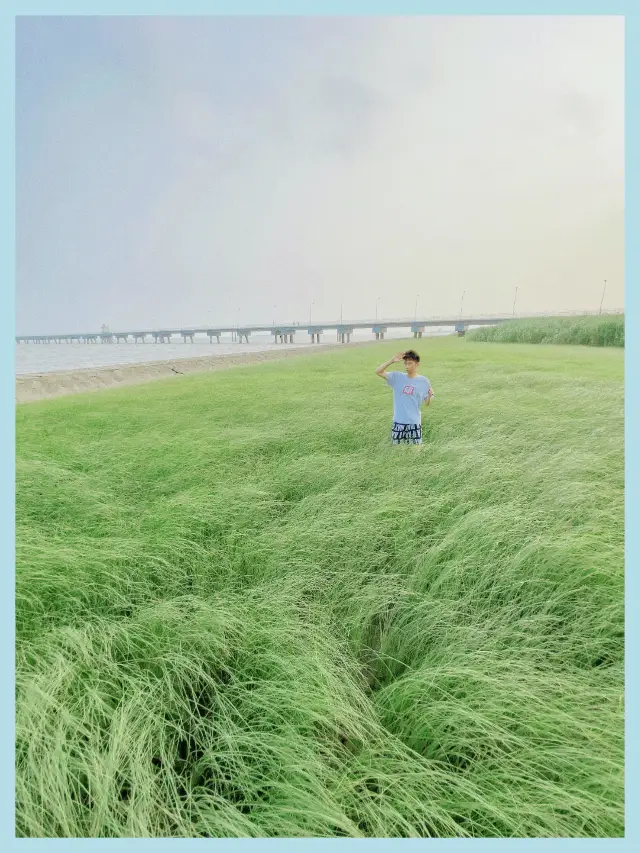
pixel 285 333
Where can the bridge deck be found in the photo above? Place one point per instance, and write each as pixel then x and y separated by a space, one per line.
pixel 376 326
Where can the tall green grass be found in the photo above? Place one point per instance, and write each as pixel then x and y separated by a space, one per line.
pixel 591 331
pixel 240 612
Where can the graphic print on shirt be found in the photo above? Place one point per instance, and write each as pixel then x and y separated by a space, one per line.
pixel 408 389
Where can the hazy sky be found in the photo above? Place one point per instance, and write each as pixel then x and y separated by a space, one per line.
pixel 178 171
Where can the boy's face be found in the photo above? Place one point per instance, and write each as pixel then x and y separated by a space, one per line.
pixel 410 364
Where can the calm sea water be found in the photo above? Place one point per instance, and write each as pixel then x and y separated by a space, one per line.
pixel 50 358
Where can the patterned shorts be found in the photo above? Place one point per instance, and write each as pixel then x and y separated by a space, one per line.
pixel 406 433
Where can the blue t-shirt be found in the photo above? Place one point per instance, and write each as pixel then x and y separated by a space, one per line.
pixel 408 396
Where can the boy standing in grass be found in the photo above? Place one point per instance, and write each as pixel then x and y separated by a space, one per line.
pixel 410 391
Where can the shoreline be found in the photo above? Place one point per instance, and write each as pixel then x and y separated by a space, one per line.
pixel 32 387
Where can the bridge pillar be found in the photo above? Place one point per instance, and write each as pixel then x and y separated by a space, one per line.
pixel 124 338
pixel 186 335
pixel 379 332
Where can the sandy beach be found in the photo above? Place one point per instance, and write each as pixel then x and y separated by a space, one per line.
pixel 42 386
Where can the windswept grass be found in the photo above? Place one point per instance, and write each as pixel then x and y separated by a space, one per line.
pixel 589 331
pixel 241 613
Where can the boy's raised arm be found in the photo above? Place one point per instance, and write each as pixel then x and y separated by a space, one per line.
pixel 381 371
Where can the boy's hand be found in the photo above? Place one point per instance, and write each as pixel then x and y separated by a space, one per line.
pixel 398 357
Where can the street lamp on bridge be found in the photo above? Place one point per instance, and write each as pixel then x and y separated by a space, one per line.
pixel 603 292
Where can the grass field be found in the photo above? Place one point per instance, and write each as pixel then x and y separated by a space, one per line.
pixel 592 331
pixel 240 612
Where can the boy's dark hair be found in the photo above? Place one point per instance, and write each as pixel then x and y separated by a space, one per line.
pixel 411 353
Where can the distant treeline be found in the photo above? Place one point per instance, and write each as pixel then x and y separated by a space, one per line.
pixel 586 331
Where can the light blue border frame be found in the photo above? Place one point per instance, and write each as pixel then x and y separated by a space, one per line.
pixel 7 331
